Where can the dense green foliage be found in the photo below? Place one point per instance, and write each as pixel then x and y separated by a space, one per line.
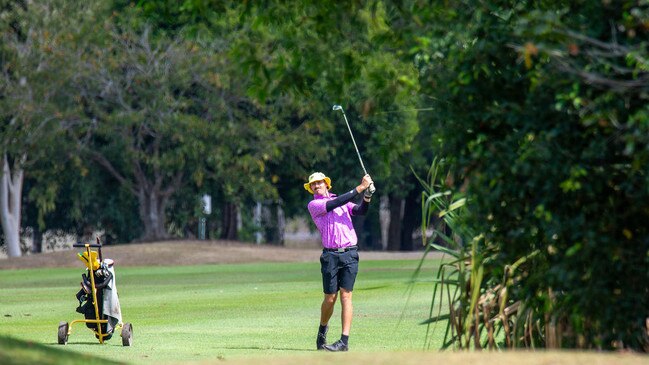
pixel 174 100
pixel 543 115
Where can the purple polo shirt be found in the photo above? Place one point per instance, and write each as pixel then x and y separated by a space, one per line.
pixel 335 227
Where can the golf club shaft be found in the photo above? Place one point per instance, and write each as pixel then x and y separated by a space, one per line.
pixel 354 141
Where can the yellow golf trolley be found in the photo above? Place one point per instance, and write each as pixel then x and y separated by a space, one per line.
pixel 98 300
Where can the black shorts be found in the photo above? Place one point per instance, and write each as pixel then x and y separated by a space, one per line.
pixel 339 270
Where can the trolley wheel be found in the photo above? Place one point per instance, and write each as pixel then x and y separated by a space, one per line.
pixel 127 334
pixel 63 332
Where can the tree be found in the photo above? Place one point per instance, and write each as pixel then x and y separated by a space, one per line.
pixel 536 124
pixel 167 112
pixel 32 90
pixel 79 198
pixel 326 54
pixel 145 122
pixel 10 205
pixel 293 61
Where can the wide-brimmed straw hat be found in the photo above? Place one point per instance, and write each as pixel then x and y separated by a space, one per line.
pixel 317 176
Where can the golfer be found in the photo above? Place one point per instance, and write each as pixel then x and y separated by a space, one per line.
pixel 339 259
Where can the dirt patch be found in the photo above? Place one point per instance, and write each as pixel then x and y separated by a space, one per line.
pixel 172 253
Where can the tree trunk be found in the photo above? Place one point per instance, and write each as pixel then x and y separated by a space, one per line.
pixel 280 223
pixel 257 219
pixel 384 219
pixel 152 214
pixel 11 186
pixel 411 219
pixel 152 192
pixel 37 240
pixel 394 230
pixel 274 223
pixel 229 221
pixel 369 234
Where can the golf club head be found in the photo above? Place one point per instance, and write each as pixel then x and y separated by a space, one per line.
pixel 337 107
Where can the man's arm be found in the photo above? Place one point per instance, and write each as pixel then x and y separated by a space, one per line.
pixel 348 196
pixel 364 206
pixel 341 200
pixel 361 209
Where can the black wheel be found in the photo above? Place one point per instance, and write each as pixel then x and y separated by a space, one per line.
pixel 63 333
pixel 127 334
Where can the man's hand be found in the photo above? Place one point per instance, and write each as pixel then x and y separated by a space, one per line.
pixel 366 182
pixel 368 185
pixel 370 191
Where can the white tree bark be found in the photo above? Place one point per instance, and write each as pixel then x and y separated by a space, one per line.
pixel 11 186
pixel 384 217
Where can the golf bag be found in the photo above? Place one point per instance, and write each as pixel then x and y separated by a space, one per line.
pixel 104 277
pixel 97 298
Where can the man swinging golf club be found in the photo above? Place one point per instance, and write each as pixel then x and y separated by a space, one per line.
pixel 339 259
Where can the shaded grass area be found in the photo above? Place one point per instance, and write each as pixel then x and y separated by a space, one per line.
pixel 18 352
pixel 213 312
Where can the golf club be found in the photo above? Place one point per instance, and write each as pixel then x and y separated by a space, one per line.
pixel 338 107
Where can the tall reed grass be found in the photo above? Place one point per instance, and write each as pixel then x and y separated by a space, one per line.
pixel 474 306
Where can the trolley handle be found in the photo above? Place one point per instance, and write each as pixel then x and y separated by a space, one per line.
pixel 93 245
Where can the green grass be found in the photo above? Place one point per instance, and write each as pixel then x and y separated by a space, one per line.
pixel 210 312
pixel 17 352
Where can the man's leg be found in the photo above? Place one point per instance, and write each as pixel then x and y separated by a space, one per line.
pixel 327 308
pixel 346 318
pixel 329 271
pixel 347 277
pixel 347 310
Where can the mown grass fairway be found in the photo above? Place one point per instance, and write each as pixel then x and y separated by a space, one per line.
pixel 212 312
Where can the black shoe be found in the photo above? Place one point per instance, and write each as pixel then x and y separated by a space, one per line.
pixel 336 346
pixel 321 341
